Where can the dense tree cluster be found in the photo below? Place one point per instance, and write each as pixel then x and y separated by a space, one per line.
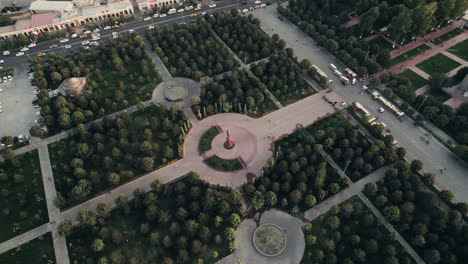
pixel 116 150
pixel 187 221
pixel 244 36
pixel 235 92
pixel 118 75
pixel 322 20
pixel 455 122
pixel 299 178
pixel 22 203
pixel 283 77
pixel 6 21
pixel 191 50
pixel 436 233
pixel 351 150
pixel 349 233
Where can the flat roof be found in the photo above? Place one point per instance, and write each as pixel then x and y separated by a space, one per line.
pixel 51 6
pixel 42 19
pixel 94 10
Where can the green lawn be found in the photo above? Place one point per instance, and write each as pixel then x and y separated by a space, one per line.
pixel 461 50
pixel 440 95
pixel 438 63
pixel 37 251
pixel 22 202
pixel 381 43
pixel 222 164
pixel 416 80
pixel 405 56
pixel 447 36
pixel 205 141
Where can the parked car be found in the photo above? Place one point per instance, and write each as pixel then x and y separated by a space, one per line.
pixel 41 54
pixel 74 35
pixel 19 54
pixel 6 53
pixel 84 36
pixel 2 61
pixel 64 40
pixel 32 45
pixel 86 42
pixel 257 2
pixel 53 46
pixel 67 46
pixel 156 15
pixel 212 5
pixel 163 15
pixel 151 27
pixel 24 49
pixel 381 110
pixel 107 27
pixel 146 18
pixel 87 32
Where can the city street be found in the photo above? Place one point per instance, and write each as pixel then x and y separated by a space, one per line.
pixel 435 156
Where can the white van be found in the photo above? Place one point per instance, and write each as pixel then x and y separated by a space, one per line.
pixel 333 67
pixel 5 53
pixel 172 11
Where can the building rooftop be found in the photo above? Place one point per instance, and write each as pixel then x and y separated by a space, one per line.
pixel 42 19
pixel 60 6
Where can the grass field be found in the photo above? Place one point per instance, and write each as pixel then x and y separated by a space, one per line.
pixel 461 50
pixel 37 251
pixel 222 164
pixel 438 63
pixel 440 95
pixel 381 43
pixel 416 80
pixel 22 203
pixel 405 56
pixel 447 36
pixel 205 141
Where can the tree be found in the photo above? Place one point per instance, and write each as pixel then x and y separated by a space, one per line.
pixel 401 24
pixel 368 19
pixel 446 195
pixel 423 18
pixel 6 21
pixel 103 209
pixel 98 245
pixel 270 199
pixel 418 241
pixel 121 201
pixel 374 83
pixel 431 256
pixel 416 165
pixel 36 131
pixel 370 189
pixel 65 227
pixel 392 213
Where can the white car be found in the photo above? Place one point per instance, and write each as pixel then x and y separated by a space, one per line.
pixel 262 5
pixel 257 2
pixel 212 5
pixel 53 46
pixel 10 78
pixel 1 90
pixel 5 79
pixel 86 47
pixel 107 27
pixel 115 36
pixel 96 30
pixel 156 15
pixel 32 45
pixel 74 35
pixel 6 53
pixel 245 10
pixel 151 27
pixel 64 40
pixel 146 18
pixel 96 38
pixel 24 49
pixel 131 31
pixel 19 54
pixel 67 46
pixel 381 110
pixel 180 10
pixel 2 61
pixel 163 15
pixel 87 32
pixel 86 42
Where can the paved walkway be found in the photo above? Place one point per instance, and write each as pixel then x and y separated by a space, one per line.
pixel 55 217
pixel 165 74
pixel 23 238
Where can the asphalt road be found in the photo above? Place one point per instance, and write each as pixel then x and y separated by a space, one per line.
pixel 138 26
pixel 435 156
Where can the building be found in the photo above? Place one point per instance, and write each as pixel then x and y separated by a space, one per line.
pixel 463 87
pixel 71 86
pixel 49 16
pixel 147 5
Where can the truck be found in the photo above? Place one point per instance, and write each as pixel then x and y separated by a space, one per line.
pixel 344 80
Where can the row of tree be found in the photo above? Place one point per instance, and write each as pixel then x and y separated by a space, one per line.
pixel 236 92
pixel 283 77
pixel 187 221
pixel 191 50
pixel 244 36
pixel 114 80
pixel 349 233
pixel 115 151
pixel 454 122
pixel 298 177
pixel 437 233
pixel 351 150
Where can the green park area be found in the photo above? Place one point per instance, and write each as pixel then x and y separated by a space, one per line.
pixel 187 221
pixel 406 56
pixel 438 64
pixel 120 75
pixel 461 50
pixel 38 251
pixel 22 202
pixel 382 43
pixel 416 80
pixel 358 235
pixel 451 34
pixel 220 164
pixel 206 139
pixel 115 151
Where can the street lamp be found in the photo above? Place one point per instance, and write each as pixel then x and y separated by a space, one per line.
pixel 422 102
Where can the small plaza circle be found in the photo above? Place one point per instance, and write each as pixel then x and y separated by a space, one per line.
pixel 269 240
pixel 175 93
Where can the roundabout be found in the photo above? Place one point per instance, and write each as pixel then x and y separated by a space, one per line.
pixel 175 93
pixel 269 240
pixel 176 90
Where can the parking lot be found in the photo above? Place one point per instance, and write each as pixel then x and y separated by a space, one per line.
pixel 17 111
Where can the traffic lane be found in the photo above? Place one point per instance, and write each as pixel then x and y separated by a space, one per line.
pixel 434 155
pixel 138 27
